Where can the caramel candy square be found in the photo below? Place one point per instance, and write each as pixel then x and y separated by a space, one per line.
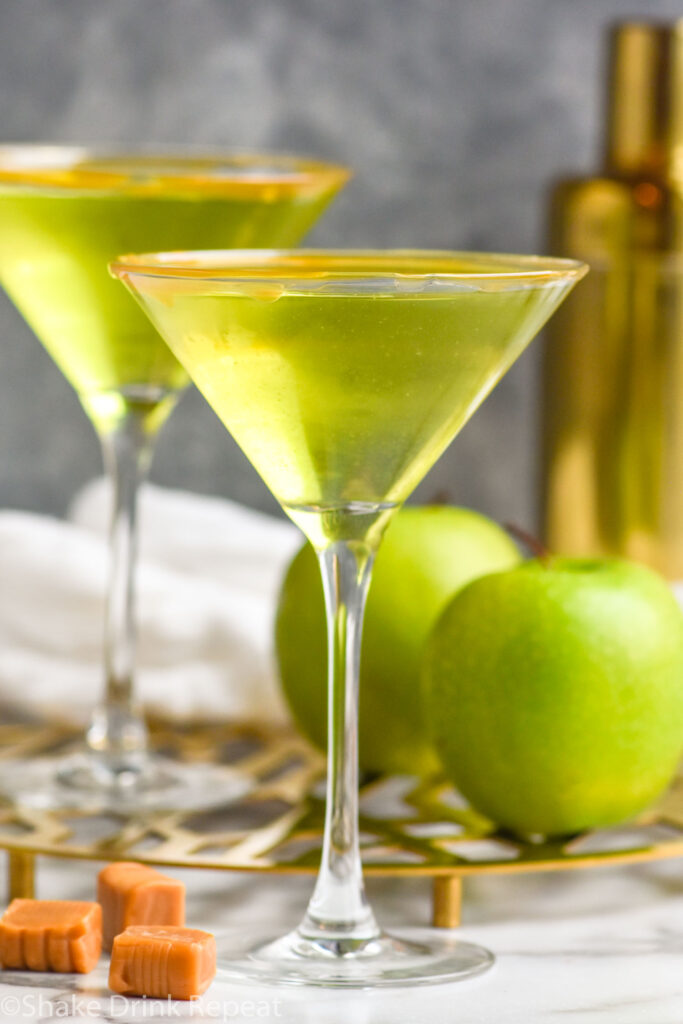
pixel 162 962
pixel 51 935
pixel 131 893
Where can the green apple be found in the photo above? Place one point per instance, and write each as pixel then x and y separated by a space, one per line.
pixel 428 553
pixel 555 693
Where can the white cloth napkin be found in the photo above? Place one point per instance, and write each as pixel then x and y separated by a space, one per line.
pixel 207 582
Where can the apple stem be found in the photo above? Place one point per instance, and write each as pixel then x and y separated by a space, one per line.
pixel 536 547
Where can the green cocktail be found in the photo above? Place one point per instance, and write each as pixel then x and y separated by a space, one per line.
pixel 63 217
pixel 344 400
pixel 64 213
pixel 344 376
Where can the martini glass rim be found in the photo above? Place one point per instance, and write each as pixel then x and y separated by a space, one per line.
pixel 106 169
pixel 417 269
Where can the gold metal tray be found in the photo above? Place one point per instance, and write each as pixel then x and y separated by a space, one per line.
pixel 407 827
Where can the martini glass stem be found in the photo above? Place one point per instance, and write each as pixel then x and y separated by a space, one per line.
pixel 338 912
pixel 118 736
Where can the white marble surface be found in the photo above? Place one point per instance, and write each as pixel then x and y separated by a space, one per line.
pixel 599 947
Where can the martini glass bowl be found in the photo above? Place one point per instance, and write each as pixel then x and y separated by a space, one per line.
pixel 344 376
pixel 65 212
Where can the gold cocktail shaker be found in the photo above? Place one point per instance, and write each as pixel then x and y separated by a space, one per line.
pixel 612 462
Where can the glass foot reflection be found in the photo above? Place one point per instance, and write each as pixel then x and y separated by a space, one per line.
pixel 407 957
pixel 79 781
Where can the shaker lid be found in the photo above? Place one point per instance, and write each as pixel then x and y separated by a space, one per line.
pixel 645 122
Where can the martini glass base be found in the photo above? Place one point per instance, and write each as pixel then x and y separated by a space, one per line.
pixel 406 957
pixel 83 782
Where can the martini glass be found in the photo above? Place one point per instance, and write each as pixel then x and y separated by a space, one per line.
pixel 64 213
pixel 343 376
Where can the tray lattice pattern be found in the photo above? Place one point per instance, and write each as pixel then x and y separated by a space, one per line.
pixel 408 827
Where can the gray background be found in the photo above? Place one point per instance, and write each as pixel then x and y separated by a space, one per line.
pixel 455 115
